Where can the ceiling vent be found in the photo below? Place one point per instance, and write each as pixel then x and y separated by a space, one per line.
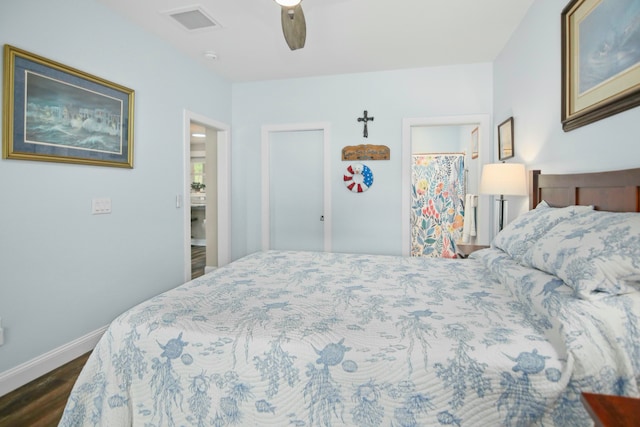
pixel 193 18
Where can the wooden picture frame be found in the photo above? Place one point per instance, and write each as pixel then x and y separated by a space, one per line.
pixel 600 62
pixel 505 140
pixel 474 143
pixel 55 113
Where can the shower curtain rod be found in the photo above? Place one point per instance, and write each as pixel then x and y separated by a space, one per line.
pixel 463 153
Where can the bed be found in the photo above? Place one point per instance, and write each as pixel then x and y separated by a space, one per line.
pixel 510 336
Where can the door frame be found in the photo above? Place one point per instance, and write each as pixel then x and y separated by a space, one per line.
pixel 484 156
pixel 267 130
pixel 224 188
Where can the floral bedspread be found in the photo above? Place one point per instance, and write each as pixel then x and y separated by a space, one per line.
pixel 318 339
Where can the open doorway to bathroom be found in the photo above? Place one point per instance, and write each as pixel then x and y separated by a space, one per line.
pixel 207 204
pixel 203 198
pixel 426 137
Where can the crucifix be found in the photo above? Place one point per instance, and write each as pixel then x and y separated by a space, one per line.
pixel 365 119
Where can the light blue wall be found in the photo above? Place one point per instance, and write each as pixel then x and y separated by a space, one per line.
pixel 527 86
pixel 63 271
pixel 437 139
pixel 367 222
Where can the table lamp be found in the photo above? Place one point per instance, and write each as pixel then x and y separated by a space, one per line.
pixel 505 179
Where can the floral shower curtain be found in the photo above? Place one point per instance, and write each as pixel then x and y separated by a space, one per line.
pixel 437 205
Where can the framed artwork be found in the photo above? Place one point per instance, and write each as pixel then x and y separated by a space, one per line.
pixel 505 139
pixel 474 143
pixel 600 61
pixel 55 113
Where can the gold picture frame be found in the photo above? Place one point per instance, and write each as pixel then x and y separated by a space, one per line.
pixel 505 140
pixel 56 113
pixel 600 62
pixel 474 143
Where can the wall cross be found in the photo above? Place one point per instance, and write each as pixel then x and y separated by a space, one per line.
pixel 365 119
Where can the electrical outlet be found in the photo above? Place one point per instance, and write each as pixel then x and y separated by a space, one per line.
pixel 101 205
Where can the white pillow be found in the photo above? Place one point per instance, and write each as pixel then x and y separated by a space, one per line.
pixel 520 234
pixel 594 253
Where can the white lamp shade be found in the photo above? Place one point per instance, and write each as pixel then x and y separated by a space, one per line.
pixel 288 3
pixel 508 179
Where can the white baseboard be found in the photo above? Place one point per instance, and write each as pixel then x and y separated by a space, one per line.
pixel 47 362
pixel 209 269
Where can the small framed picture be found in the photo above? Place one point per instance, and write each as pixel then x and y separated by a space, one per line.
pixel 474 143
pixel 505 139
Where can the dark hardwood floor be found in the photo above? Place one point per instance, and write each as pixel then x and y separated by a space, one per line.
pixel 198 261
pixel 41 402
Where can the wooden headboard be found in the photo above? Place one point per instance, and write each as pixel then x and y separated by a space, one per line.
pixel 617 191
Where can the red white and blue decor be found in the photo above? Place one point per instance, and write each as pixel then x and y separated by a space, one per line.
pixel 358 178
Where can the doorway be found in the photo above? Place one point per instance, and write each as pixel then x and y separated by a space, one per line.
pixel 207 184
pixel 296 187
pixel 438 210
pixel 412 145
pixel 203 198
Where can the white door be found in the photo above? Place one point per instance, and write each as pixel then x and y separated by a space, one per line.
pixel 296 190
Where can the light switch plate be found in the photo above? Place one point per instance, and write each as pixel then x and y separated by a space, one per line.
pixel 101 205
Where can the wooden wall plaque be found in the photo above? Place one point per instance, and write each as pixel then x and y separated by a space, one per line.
pixel 366 152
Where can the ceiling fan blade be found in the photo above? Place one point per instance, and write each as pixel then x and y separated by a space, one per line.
pixel 294 26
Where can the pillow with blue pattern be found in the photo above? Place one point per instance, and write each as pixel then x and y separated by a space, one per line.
pixel 520 234
pixel 596 253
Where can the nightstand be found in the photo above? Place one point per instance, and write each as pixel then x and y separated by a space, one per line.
pixel 463 251
pixel 609 411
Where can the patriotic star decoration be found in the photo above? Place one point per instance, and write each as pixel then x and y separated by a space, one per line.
pixel 358 178
pixel 367 176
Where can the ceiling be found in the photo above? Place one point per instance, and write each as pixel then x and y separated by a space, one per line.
pixel 343 36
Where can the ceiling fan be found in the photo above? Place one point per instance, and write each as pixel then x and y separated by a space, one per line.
pixel 294 26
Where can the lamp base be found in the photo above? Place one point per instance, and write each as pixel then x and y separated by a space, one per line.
pixel 501 212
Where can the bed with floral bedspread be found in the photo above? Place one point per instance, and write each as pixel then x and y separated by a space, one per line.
pixel 283 338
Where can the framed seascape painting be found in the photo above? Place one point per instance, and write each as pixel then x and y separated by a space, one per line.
pixel 56 113
pixel 505 139
pixel 600 60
